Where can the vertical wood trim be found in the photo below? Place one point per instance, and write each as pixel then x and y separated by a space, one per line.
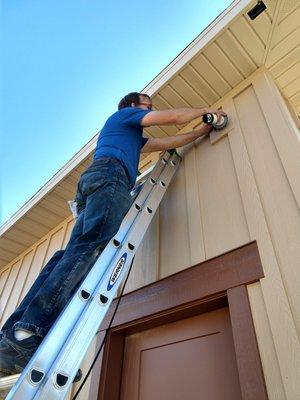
pixel 15 294
pixel 247 355
pixel 278 309
pixel 267 351
pixel 221 203
pixel 157 230
pixel 4 276
pixel 195 231
pixel 65 228
pixel 54 245
pixel 25 278
pixel 10 283
pixel 283 130
pixel 14 283
pixel 45 254
pixel 69 227
pixel 111 371
pixel 17 287
pixel 32 271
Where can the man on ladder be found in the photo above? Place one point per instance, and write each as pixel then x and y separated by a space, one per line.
pixel 103 199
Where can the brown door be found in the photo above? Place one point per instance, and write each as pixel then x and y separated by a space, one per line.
pixel 191 359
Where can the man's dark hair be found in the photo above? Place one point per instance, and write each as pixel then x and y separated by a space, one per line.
pixel 133 97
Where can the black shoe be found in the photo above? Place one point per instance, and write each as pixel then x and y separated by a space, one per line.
pixel 15 354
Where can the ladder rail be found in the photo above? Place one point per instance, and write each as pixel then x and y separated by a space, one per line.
pixel 77 344
pixel 74 309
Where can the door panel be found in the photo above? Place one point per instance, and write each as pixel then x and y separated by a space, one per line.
pixel 189 359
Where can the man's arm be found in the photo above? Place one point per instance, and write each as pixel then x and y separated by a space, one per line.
pixel 176 116
pixel 173 142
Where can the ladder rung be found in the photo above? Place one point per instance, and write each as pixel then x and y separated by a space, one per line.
pixel 63 349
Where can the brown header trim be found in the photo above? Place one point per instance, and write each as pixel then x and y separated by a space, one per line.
pixel 215 276
pixel 204 287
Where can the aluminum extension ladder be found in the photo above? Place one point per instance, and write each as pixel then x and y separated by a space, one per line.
pixel 50 372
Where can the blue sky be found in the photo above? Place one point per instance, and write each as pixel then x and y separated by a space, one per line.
pixel 65 66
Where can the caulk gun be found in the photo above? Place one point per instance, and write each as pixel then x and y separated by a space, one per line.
pixel 212 119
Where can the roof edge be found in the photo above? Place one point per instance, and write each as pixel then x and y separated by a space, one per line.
pixel 83 153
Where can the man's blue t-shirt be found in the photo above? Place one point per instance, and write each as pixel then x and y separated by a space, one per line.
pixel 121 138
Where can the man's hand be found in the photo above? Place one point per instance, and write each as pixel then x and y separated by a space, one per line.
pixel 219 113
pixel 177 116
pixel 172 142
pixel 204 130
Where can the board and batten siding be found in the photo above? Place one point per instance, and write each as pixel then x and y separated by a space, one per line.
pixel 244 187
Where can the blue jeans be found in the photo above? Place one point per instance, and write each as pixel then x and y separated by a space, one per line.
pixel 103 199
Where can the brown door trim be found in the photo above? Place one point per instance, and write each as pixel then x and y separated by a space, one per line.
pixel 246 350
pixel 204 287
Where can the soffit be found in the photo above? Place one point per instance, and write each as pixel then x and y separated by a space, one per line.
pixel 283 56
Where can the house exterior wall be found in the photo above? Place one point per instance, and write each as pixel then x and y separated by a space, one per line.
pixel 244 187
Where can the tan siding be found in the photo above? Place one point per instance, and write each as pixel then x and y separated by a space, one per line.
pixel 55 243
pixel 221 206
pixel 145 266
pixel 68 232
pixel 266 344
pixel 194 217
pixel 38 260
pixel 276 302
pixel 277 198
pixel 242 188
pixel 239 190
pixel 12 302
pixel 9 286
pixel 25 269
pixel 174 251
pixel 3 279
